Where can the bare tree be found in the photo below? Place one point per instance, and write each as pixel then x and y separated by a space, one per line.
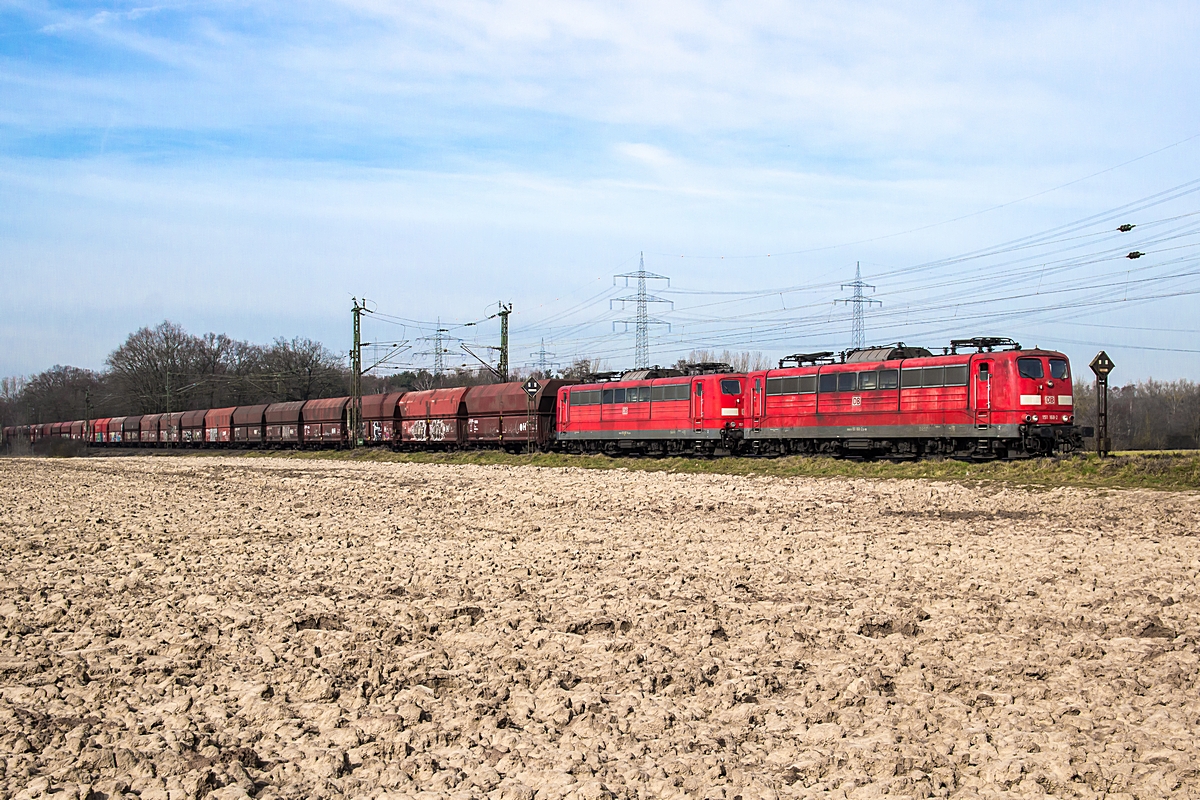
pixel 581 368
pixel 244 364
pixel 302 369
pixel 11 388
pixel 152 370
pixel 58 394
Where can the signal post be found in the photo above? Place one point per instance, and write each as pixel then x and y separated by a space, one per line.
pixel 1102 365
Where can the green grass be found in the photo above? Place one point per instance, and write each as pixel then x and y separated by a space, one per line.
pixel 1165 471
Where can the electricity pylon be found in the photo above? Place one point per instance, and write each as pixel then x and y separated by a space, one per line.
pixel 642 321
pixel 859 334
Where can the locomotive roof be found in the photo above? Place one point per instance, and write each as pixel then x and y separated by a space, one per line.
pixel 651 374
pixel 886 353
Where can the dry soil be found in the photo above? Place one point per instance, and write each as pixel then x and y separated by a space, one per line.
pixel 180 627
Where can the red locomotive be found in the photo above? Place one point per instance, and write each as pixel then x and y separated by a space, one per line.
pixel 906 401
pixel 654 411
pixel 993 400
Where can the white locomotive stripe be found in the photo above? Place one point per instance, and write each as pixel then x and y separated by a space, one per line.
pixel 1065 400
pixel 1031 399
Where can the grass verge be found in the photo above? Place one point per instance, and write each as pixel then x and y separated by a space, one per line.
pixel 1172 471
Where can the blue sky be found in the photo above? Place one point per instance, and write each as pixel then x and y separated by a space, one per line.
pixel 248 167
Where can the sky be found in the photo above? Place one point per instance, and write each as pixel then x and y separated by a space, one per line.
pixel 249 168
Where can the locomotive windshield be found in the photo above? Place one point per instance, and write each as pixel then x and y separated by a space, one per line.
pixel 1030 368
pixel 731 387
pixel 1058 369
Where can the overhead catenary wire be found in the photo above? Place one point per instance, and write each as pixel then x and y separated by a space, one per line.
pixel 1041 277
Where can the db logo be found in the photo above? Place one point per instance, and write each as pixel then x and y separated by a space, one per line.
pixel 856 400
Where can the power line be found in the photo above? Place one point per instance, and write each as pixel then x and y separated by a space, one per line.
pixel 1069 269
pixel 931 225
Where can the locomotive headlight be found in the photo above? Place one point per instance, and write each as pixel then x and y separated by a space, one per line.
pixel 1035 417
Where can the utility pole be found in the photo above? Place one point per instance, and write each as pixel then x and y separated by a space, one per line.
pixel 169 441
pixel 642 321
pixel 502 367
pixel 859 334
pixel 355 414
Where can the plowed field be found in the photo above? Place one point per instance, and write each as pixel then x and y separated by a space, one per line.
pixel 175 627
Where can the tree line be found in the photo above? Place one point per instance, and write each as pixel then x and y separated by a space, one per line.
pixel 1147 415
pixel 165 368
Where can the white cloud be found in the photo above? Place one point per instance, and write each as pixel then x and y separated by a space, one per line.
pixel 647 154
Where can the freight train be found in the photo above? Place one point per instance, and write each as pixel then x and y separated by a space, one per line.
pixel 995 400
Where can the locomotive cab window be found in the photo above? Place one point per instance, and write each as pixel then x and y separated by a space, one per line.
pixel 1030 368
pixel 1058 369
pixel 847 382
pixel 699 390
pixel 731 387
pixel 618 395
pixel 888 379
pixel 829 383
pixel 983 371
pixel 608 395
pixel 866 380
